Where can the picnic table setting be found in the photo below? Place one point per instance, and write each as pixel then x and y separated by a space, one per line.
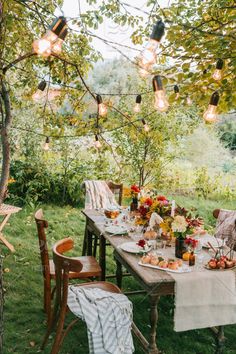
pixel 118 177
pixel 166 248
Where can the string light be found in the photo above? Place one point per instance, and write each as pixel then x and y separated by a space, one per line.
pixel 137 107
pixel 161 103
pixel 176 90
pixel 210 116
pixel 97 143
pixel 57 46
pixel 189 101
pixel 217 75
pixel 145 126
pixel 41 87
pixel 148 55
pixel 102 108
pixel 46 144
pixel 43 46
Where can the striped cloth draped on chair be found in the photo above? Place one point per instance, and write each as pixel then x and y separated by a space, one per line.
pixel 98 195
pixel 226 226
pixel 108 317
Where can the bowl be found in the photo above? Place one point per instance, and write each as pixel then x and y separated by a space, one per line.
pixel 111 214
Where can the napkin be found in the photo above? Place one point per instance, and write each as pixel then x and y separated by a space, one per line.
pixel 155 220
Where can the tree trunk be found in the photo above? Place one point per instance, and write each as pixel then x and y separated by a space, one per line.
pixel 6 123
pixel 1 305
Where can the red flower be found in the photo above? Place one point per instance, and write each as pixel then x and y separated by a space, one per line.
pixel 143 210
pixel 148 201
pixel 135 188
pixel 141 243
pixel 161 198
pixel 191 242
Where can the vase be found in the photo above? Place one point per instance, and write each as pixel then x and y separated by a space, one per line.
pixel 180 246
pixel 134 204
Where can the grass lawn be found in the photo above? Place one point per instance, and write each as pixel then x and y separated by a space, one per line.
pixel 23 315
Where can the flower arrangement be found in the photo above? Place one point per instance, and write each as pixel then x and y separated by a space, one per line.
pixel 182 225
pixel 134 191
pixel 148 205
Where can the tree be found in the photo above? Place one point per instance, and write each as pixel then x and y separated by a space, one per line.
pixel 144 156
pixel 197 34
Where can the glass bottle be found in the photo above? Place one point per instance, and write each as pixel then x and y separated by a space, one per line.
pixel 134 204
pixel 192 259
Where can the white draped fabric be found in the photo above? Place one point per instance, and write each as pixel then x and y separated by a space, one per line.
pixel 98 195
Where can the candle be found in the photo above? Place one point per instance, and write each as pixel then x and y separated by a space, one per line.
pixel 172 214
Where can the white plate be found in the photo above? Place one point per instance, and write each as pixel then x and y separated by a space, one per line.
pixel 132 247
pixel 184 269
pixel 215 242
pixel 116 229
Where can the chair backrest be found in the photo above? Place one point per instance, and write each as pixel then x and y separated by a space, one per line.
pixel 63 266
pixel 117 190
pixel 216 213
pixel 42 224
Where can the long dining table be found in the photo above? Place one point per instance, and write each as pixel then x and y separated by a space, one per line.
pixel 153 282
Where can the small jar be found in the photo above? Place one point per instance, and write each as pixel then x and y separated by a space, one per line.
pixel 191 259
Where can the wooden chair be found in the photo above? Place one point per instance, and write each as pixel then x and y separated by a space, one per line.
pixel 64 266
pixel 90 266
pixel 117 190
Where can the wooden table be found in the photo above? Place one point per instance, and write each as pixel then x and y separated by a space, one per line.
pixel 6 211
pixel 155 283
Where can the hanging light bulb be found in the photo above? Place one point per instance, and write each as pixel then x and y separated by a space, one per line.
pixel 57 46
pixel 210 115
pixel 145 126
pixel 46 144
pixel 97 143
pixel 148 55
pixel 189 101
pixel 102 108
pixel 217 75
pixel 43 46
pixel 137 106
pixel 176 90
pixel 161 103
pixel 38 94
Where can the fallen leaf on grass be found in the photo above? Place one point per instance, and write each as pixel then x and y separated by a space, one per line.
pixel 32 344
pixel 6 270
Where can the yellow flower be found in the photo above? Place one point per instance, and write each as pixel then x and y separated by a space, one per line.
pixel 11 180
pixel 126 192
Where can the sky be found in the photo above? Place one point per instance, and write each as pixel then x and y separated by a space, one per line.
pixel 108 29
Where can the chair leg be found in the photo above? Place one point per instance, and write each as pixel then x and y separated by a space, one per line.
pixel 95 244
pixel 59 332
pixel 51 324
pixel 85 242
pixel 47 302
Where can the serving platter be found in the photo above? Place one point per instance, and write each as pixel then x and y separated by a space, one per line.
pixel 218 269
pixel 183 269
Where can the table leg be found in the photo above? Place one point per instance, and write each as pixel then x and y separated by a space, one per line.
pixel 118 273
pixel 153 322
pixel 6 243
pixel 220 340
pixel 4 221
pixel 102 256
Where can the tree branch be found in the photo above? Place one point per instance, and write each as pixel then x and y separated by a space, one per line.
pixel 20 58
